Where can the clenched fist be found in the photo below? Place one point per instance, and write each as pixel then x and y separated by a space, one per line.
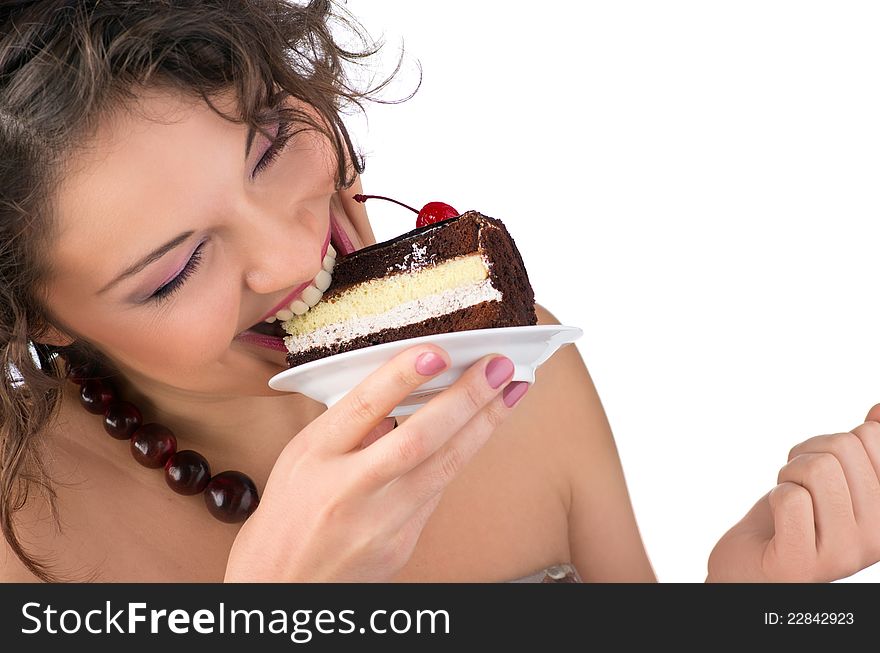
pixel 822 520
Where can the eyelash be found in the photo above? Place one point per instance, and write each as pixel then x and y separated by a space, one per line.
pixel 278 144
pixel 176 283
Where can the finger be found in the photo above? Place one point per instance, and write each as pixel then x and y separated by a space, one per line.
pixel 873 414
pixel 385 427
pixel 869 434
pixel 823 477
pixel 427 481
pixel 861 477
pixel 794 537
pixel 344 425
pixel 438 420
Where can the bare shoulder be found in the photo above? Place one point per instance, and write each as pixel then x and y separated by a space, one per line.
pixel 505 515
pixel 561 399
pixel 561 415
pixel 546 488
pixel 563 420
pixel 543 422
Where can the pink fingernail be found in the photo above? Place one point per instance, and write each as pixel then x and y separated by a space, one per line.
pixel 498 371
pixel 429 364
pixel 514 392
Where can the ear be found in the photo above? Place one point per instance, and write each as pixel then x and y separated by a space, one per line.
pixel 52 336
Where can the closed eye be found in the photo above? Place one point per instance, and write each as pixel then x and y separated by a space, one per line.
pixel 166 291
pixel 285 131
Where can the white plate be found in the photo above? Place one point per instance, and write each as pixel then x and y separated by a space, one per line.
pixel 329 379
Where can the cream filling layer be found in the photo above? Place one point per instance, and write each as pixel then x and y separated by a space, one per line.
pixel 384 293
pixel 409 312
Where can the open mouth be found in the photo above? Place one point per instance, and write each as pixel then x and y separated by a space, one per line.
pixel 270 332
pixel 274 330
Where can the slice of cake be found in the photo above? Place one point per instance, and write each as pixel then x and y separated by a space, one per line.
pixel 460 274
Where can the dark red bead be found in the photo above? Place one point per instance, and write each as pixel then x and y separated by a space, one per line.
pixel 231 497
pixel 79 373
pixel 152 445
pixel 187 472
pixel 96 396
pixel 122 419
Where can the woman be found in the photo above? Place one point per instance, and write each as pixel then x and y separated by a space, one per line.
pixel 171 171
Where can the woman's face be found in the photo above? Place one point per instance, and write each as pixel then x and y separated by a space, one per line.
pixel 179 230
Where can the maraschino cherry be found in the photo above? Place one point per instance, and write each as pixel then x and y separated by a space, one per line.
pixel 431 213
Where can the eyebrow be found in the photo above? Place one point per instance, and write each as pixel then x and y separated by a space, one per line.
pixel 153 256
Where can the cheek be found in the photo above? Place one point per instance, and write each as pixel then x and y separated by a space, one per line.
pixel 190 334
pixel 201 331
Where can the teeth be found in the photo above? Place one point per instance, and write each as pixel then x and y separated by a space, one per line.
pixel 322 281
pixel 311 295
pixel 299 307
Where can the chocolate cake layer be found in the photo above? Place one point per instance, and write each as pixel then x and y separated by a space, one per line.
pixel 507 272
pixel 440 242
pixel 449 258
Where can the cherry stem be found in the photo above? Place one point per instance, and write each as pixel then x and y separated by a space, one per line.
pixel 363 198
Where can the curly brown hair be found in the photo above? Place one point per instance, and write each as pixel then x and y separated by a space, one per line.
pixel 63 65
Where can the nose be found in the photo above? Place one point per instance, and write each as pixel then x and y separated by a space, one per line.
pixel 278 249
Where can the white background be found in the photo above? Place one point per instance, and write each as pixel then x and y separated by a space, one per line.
pixel 695 184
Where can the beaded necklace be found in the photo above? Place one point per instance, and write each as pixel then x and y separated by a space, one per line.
pixel 230 496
